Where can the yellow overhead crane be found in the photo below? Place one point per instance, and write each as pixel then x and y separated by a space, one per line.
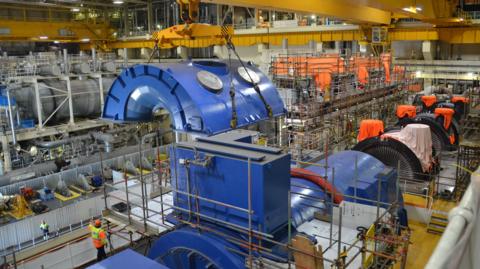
pixel 175 35
pixel 369 13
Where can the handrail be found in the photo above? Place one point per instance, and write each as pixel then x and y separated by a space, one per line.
pixel 457 229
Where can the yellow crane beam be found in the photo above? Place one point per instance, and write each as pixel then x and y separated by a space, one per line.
pixel 11 30
pixel 354 12
pixel 456 35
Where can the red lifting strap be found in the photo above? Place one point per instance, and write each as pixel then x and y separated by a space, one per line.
pixel 406 111
pixel 317 179
pixel 429 100
pixel 462 99
pixel 447 114
pixel 370 128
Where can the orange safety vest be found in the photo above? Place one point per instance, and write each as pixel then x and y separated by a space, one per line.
pixel 99 237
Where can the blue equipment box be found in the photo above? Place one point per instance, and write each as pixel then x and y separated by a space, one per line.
pixel 217 168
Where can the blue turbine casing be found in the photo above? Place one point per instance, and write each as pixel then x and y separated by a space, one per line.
pixel 141 89
pixel 369 171
pixel 193 249
pixel 225 179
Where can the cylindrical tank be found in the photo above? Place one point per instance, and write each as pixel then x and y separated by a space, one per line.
pixel 86 104
pixel 108 67
pixel 80 68
pixel 50 70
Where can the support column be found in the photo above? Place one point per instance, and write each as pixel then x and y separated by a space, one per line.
pixel 94 59
pixel 70 100
pixel 100 87
pixel 39 104
pixel 149 16
pixel 7 159
pixel 125 20
pixel 428 50
pixel 182 52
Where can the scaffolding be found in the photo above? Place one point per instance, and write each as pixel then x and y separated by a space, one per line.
pixel 328 95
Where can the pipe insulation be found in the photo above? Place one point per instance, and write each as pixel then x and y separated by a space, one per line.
pixel 85 96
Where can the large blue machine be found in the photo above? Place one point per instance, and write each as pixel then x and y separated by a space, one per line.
pixel 197 95
pixel 216 169
pixel 222 176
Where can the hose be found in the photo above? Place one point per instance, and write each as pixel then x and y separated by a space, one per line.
pixel 320 181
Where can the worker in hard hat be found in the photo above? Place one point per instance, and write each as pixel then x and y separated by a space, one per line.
pixel 45 229
pixel 99 238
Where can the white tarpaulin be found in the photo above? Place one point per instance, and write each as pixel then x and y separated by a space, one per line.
pixel 419 139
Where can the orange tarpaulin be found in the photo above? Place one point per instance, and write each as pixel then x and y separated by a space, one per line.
pixel 321 68
pixel 406 111
pixel 370 128
pixel 429 100
pixel 447 114
pixel 462 99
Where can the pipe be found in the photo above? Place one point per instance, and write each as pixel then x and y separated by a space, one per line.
pixel 459 219
pixel 106 138
pixel 57 143
pixel 317 179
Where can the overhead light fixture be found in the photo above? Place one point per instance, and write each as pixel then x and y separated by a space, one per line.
pixel 75 9
pixel 85 40
pixel 118 2
pixel 56 42
pixel 412 9
pixel 313 17
pixel 43 37
pixel 460 19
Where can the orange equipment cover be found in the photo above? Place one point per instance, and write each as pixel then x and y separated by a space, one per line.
pixel 370 128
pixel 323 80
pixel 447 114
pixel 462 99
pixel 429 100
pixel 362 75
pixel 406 111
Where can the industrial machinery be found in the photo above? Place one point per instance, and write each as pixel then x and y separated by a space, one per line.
pixel 230 195
pixel 220 179
pixel 202 97
pixel 442 138
pixel 408 149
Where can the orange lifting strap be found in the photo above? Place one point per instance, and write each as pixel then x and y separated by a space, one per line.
pixel 462 99
pixel 429 100
pixel 447 114
pixel 370 128
pixel 406 111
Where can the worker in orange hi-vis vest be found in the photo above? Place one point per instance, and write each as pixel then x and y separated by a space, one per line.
pixel 99 238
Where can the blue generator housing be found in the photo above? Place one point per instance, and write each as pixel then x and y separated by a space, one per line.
pixel 217 168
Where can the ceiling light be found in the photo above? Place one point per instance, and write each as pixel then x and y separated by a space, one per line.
pixel 75 9
pixel 85 40
pixel 412 9
pixel 56 42
pixel 118 2
pixel 43 37
pixel 313 17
